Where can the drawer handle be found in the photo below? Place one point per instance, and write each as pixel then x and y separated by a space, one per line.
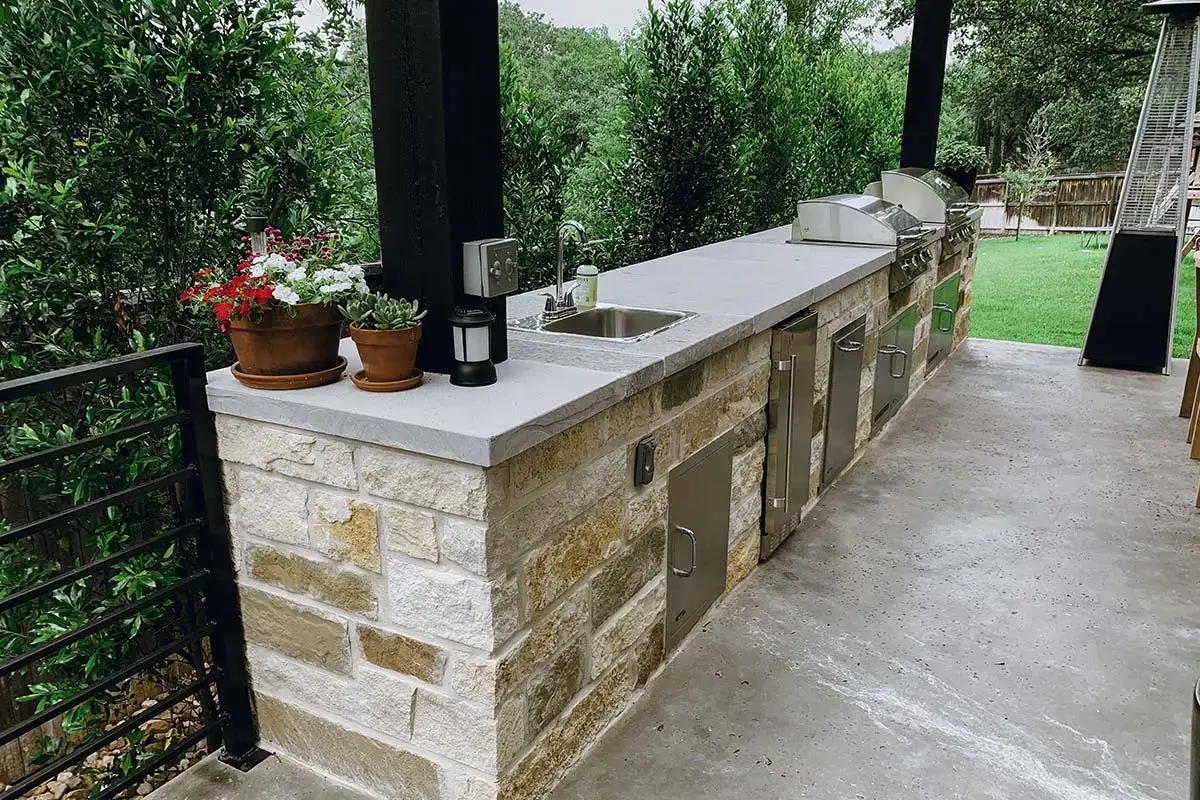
pixel 787 464
pixel 691 570
pixel 849 347
pixel 942 310
pixel 892 351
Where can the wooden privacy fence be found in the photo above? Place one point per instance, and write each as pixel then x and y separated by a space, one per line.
pixel 1069 204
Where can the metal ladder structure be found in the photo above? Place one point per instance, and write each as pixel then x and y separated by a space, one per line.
pixel 1133 320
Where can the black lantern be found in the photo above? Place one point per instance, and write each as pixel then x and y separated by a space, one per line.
pixel 471 328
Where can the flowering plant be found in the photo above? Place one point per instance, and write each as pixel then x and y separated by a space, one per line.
pixel 306 269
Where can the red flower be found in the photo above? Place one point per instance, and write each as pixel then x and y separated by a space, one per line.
pixel 222 311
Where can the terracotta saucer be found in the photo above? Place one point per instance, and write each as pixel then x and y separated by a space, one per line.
pixel 285 382
pixel 361 381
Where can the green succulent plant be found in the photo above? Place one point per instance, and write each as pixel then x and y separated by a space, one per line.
pixel 379 312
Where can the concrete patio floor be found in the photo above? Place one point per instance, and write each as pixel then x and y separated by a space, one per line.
pixel 1000 601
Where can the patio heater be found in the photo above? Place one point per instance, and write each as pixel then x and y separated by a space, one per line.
pixel 1133 321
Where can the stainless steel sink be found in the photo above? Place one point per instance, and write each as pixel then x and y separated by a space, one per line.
pixel 615 323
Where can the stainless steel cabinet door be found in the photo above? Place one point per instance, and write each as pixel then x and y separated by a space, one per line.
pixel 885 375
pixel 945 314
pixel 697 536
pixel 906 341
pixel 845 383
pixel 789 431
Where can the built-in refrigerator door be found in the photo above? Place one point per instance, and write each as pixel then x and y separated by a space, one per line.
pixel 906 342
pixel 789 428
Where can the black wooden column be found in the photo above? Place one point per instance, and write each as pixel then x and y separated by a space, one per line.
pixel 435 98
pixel 926 80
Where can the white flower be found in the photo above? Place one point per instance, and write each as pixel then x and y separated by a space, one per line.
pixel 329 275
pixel 297 275
pixel 335 288
pixel 353 271
pixel 276 261
pixel 258 259
pixel 286 295
pixel 257 270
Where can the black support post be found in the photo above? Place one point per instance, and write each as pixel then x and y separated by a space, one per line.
pixel 435 94
pixel 926 81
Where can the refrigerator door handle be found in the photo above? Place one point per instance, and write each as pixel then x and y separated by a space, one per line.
pixel 691 570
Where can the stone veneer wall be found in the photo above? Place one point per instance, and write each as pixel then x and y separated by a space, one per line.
pixel 427 629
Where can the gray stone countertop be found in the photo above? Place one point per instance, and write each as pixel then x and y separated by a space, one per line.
pixel 552 382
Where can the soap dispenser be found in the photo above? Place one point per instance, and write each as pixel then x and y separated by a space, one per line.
pixel 587 286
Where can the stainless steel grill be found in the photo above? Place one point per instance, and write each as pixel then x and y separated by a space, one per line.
pixel 935 199
pixel 859 220
pixel 1152 197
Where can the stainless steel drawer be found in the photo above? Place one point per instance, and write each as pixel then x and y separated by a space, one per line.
pixel 845 385
pixel 697 536
pixel 789 428
pixel 893 366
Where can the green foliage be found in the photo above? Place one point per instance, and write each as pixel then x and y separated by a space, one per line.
pixel 1028 178
pixel 540 152
pixel 379 312
pixel 673 192
pixel 1086 61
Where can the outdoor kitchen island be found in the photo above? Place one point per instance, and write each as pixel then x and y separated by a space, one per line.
pixel 450 592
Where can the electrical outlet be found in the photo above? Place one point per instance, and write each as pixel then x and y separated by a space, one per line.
pixel 643 462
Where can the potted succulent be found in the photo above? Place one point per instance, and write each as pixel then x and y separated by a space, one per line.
pixel 280 310
pixel 387 333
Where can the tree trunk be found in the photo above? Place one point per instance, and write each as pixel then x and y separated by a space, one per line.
pixel 1020 216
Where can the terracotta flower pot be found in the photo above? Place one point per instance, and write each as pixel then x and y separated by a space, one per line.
pixel 282 344
pixel 387 356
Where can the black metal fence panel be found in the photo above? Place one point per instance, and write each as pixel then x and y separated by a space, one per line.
pixel 118 602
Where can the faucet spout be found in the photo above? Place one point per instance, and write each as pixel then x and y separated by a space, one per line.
pixel 563 303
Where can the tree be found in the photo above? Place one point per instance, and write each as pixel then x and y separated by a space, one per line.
pixel 1085 59
pixel 1029 177
pixel 674 190
pixel 824 25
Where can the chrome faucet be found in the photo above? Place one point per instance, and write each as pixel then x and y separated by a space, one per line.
pixel 562 304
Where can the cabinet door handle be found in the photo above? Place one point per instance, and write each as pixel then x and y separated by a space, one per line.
pixel 685 573
pixel 943 309
pixel 787 464
pixel 892 351
pixel 849 347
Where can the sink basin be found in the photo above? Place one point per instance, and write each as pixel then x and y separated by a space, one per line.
pixel 615 323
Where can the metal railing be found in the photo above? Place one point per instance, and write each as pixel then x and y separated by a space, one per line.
pixel 198 623
pixel 1196 743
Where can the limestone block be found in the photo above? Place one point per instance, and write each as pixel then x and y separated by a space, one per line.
pixel 269 508
pixel 287 451
pixel 650 652
pixel 371 698
pixel 401 653
pixel 473 676
pixel 551 689
pixel 541 769
pixel 296 631
pixel 683 387
pixel 752 431
pixel 629 626
pixel 625 575
pixel 461 787
pixel 373 764
pixel 533 523
pixel 746 516
pixel 743 556
pixel 462 731
pixel 587 542
pixel 633 416
pixel 558 455
pixel 748 474
pixel 410 532
pixel 347 590
pixel 465 542
pixel 474 611
pixel 724 410
pixel 462 489
pixel 549 636
pixel 647 508
pixel 726 365
pixel 346 529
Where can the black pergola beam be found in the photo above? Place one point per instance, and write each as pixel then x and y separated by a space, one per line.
pixel 926 82
pixel 435 106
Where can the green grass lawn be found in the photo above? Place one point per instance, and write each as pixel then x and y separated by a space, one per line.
pixel 1041 290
